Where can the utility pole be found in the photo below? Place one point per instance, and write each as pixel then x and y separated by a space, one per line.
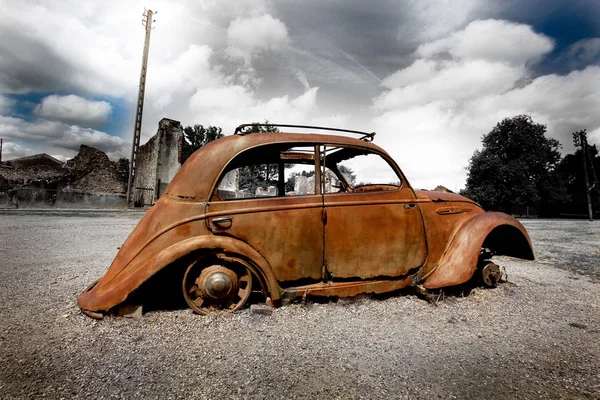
pixel 1 140
pixel 137 128
pixel 580 139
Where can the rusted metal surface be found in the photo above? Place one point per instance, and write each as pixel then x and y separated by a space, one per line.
pixel 348 289
pixel 208 286
pixel 372 234
pixel 333 241
pixel 459 262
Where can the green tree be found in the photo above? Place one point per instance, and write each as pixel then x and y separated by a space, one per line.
pixel 515 168
pixel 196 137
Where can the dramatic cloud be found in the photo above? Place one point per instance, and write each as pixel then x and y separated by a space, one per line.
pixel 247 36
pixel 61 136
pixel 436 110
pixel 55 47
pixel 429 20
pixel 73 109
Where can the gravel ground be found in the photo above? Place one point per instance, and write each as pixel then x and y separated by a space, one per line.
pixel 536 336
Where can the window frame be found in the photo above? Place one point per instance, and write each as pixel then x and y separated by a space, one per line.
pixel 348 188
pixel 319 153
pixel 280 148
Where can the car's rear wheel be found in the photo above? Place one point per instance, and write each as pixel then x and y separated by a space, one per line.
pixel 211 284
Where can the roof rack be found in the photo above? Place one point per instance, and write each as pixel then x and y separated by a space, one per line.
pixel 365 135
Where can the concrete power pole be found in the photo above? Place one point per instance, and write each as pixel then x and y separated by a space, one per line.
pixel 137 129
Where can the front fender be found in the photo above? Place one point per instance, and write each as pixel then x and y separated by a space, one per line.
pixel 500 232
pixel 96 300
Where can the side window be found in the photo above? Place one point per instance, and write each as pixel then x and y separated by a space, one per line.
pixel 269 171
pixel 353 170
pixel 300 179
pixel 250 181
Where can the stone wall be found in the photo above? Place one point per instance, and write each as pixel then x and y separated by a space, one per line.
pixel 93 172
pixel 158 161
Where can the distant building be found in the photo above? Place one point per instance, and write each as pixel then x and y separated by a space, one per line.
pixel 36 160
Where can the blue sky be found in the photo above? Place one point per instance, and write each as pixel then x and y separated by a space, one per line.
pixel 431 77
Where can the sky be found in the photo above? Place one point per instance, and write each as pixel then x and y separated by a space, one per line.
pixel 430 77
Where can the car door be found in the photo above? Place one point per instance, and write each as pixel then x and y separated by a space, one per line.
pixel 373 224
pixel 266 198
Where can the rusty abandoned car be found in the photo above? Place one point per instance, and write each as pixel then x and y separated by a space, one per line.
pixel 291 214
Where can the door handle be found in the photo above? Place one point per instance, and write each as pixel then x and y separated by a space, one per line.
pixel 410 205
pixel 222 223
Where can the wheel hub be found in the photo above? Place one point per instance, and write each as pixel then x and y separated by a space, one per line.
pixel 491 275
pixel 218 282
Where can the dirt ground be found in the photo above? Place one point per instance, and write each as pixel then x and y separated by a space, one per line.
pixel 536 336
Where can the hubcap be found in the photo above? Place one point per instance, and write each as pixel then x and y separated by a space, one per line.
pixel 218 282
pixel 218 285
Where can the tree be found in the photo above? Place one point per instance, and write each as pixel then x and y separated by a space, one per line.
pixel 569 173
pixel 516 168
pixel 260 175
pixel 196 137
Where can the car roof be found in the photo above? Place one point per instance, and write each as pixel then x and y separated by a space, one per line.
pixel 196 178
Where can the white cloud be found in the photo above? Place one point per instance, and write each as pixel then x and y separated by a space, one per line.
pixel 247 36
pixel 12 150
pixel 74 110
pixel 420 71
pixel 180 76
pixel 435 111
pixel 453 81
pixel 6 105
pixel 492 40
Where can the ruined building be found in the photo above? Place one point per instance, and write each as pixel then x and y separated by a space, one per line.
pixel 157 163
pixel 88 180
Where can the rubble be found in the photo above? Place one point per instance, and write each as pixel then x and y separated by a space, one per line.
pixel 42 180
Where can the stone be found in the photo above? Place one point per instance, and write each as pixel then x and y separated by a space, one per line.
pixel 131 311
pixel 261 309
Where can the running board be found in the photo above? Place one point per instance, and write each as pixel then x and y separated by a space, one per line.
pixel 346 289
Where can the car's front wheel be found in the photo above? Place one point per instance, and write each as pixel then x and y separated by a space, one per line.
pixel 212 284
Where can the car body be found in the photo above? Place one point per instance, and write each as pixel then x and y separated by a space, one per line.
pixel 292 214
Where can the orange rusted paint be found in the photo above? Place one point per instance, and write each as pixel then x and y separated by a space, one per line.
pixel 337 242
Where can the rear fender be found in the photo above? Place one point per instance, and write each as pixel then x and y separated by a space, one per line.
pixel 499 232
pixel 118 290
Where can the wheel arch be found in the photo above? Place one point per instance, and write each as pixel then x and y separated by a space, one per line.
pixel 500 232
pixel 508 240
pixel 93 301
